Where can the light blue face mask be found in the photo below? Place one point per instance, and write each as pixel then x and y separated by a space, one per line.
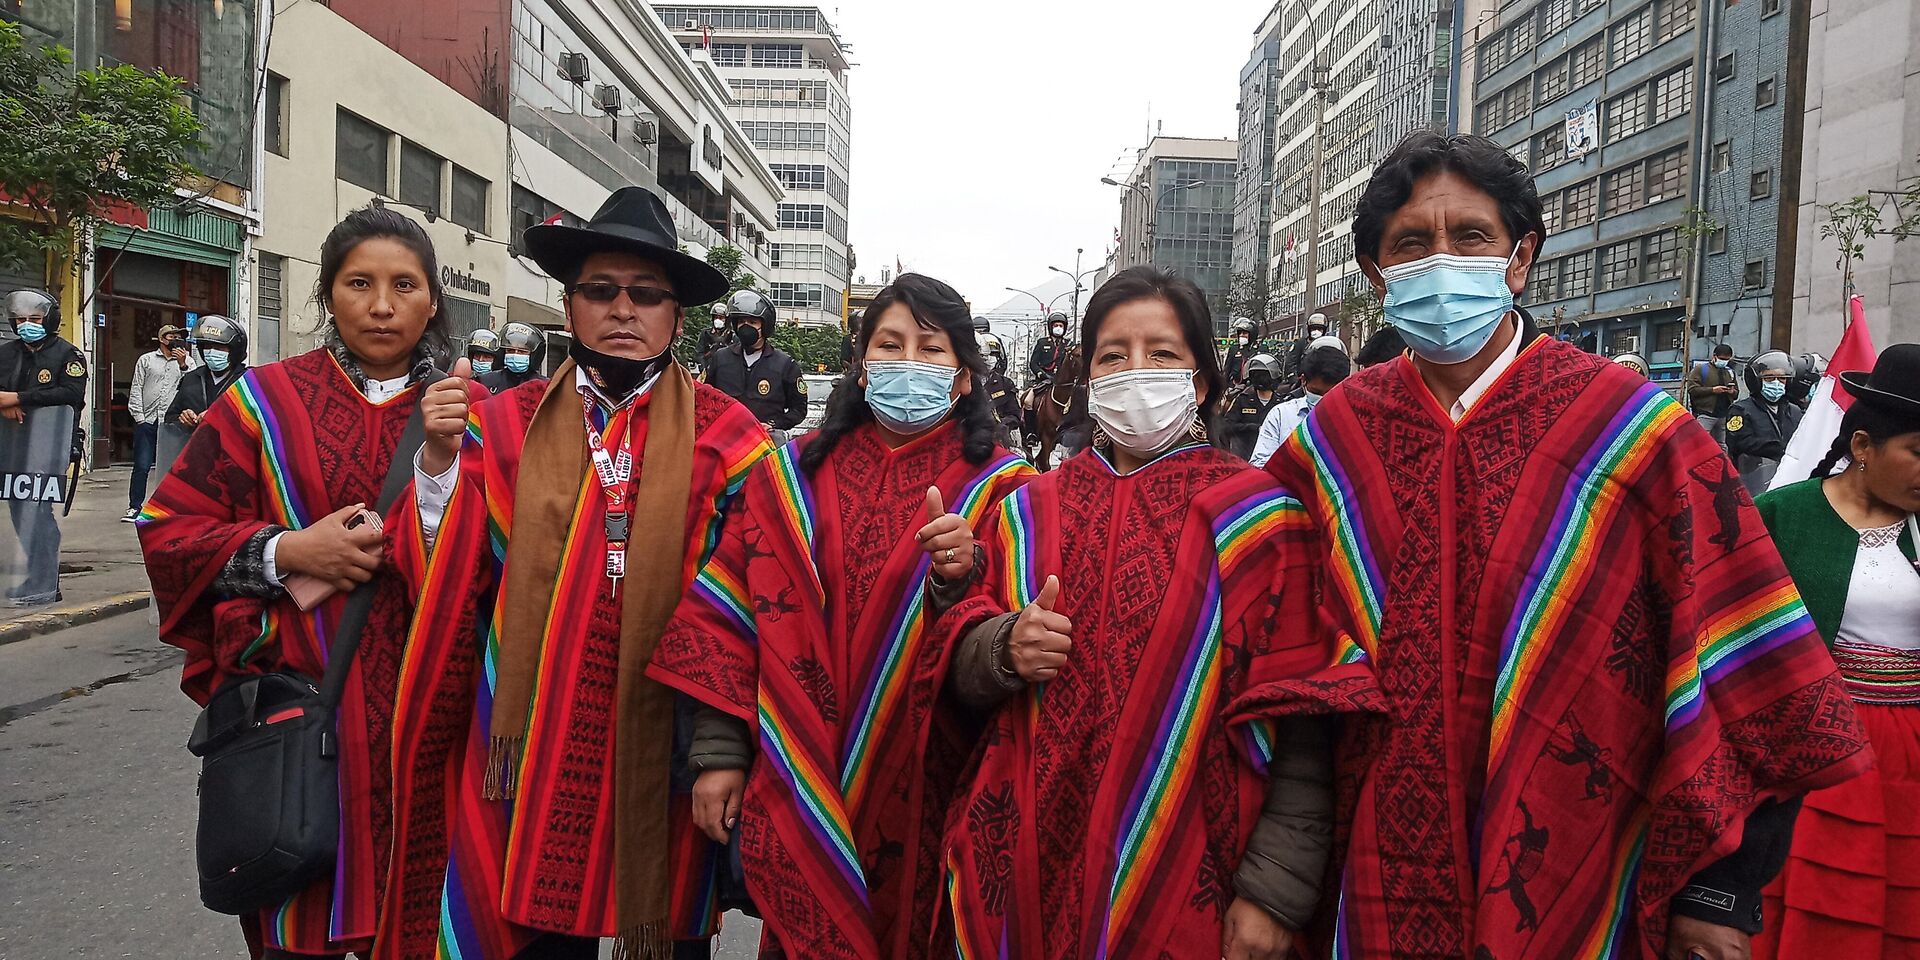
pixel 1448 307
pixel 216 360
pixel 482 364
pixel 1772 391
pixel 908 396
pixel 517 362
pixel 31 332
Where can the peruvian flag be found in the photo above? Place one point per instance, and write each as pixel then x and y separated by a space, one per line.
pixel 1286 252
pixel 1830 401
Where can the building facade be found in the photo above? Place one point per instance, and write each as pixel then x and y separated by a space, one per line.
pixel 787 72
pixel 1259 110
pixel 1851 80
pixel 169 265
pixel 1618 78
pixel 1176 213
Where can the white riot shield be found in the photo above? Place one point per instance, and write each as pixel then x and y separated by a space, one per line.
pixel 167 445
pixel 34 456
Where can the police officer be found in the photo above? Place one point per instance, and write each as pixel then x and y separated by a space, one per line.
pixel 522 349
pixel 1048 351
pixel 1001 392
pixel 1241 425
pixel 754 371
pixel 1297 354
pixel 1760 424
pixel 38 372
pixel 714 337
pixel 222 344
pixel 850 339
pixel 483 351
pixel 1239 349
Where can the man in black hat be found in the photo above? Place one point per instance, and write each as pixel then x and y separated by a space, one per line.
pixel 754 371
pixel 597 491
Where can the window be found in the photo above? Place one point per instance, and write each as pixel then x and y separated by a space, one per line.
pixel 1516 97
pixel 1520 38
pixel 1760 186
pixel 1723 156
pixel 801 176
pixel 1673 94
pixel 1756 275
pixel 1545 284
pixel 1717 240
pixel 1633 35
pixel 803 216
pixel 798 256
pixel 1666 336
pixel 360 152
pixel 1662 255
pixel 1768 8
pixel 419 177
pixel 1589 62
pixel 778 55
pixel 791 136
pixel 804 93
pixel 1624 189
pixel 1555 15
pixel 1676 17
pixel 1627 114
pixel 276 111
pixel 469 200
pixel 796 294
pixel 1553 83
pixel 1620 265
pixel 1723 68
pixel 269 299
pixel 1550 147
pixel 526 209
pixel 1763 95
pixel 1550 212
pixel 1576 275
pixel 730 54
pixel 1577 207
pixel 1667 176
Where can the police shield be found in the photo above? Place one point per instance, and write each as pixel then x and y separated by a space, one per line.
pixel 167 445
pixel 34 458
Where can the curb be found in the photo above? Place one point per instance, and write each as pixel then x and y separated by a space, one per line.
pixel 72 615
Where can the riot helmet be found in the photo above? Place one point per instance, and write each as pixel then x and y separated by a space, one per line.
pixel 1242 327
pixel 522 347
pixel 1057 324
pixel 991 349
pixel 1634 362
pixel 483 350
pixel 1263 371
pixel 34 315
pixel 222 343
pixel 1773 366
pixel 1319 321
pixel 747 305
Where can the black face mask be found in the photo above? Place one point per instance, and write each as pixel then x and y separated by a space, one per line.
pixel 1261 380
pixel 748 335
pixel 619 376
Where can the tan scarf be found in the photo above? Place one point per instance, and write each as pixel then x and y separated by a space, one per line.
pixel 553 474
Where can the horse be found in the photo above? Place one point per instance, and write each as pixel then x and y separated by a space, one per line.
pixel 1050 406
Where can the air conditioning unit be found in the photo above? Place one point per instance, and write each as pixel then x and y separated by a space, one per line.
pixel 573 67
pixel 607 97
pixel 646 131
pixel 693 25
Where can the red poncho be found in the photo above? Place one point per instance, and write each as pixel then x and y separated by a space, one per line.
pixel 811 622
pixel 1111 806
pixel 544 862
pixel 1595 662
pixel 288 444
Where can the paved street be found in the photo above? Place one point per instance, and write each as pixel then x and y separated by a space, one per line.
pixel 96 803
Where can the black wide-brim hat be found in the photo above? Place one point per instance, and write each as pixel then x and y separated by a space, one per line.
pixel 1894 384
pixel 636 221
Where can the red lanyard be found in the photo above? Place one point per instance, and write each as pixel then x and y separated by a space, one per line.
pixel 614 471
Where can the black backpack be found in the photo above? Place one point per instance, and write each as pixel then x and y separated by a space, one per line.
pixel 269 768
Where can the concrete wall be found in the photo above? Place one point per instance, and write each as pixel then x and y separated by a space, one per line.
pixel 1862 133
pixel 462 43
pixel 331 64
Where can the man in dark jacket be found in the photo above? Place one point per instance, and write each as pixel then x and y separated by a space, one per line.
pixel 1290 371
pixel 754 371
pixel 1240 425
pixel 39 373
pixel 1240 349
pixel 1760 424
pixel 522 349
pixel 223 358
pixel 1001 391
pixel 1044 362
pixel 1712 388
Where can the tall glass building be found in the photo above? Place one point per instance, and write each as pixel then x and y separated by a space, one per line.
pixel 1176 212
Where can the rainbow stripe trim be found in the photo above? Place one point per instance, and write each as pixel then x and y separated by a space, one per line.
pixel 818 800
pixel 1356 573
pixel 259 418
pixel 1247 524
pixel 1767 620
pixel 1569 555
pixel 906 634
pixel 736 468
pixel 793 493
pixel 1604 941
pixel 1022 581
pixel 724 592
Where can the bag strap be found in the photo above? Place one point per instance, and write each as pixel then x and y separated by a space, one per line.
pixel 353 617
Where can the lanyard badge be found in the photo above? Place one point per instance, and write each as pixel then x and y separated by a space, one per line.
pixel 613 470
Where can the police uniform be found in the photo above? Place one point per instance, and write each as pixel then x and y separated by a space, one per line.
pixel 1045 359
pixel 771 387
pixel 500 379
pixel 1757 435
pixel 1241 425
pixel 1005 398
pixel 53 376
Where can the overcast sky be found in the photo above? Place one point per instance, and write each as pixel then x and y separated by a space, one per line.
pixel 981 130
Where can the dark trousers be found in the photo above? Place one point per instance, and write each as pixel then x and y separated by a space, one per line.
pixel 556 946
pixel 144 437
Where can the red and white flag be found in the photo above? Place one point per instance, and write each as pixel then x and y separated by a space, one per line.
pixel 1830 402
pixel 1286 252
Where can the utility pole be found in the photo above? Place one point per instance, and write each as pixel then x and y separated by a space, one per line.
pixel 1322 82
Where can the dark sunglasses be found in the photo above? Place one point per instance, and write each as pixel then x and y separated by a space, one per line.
pixel 642 296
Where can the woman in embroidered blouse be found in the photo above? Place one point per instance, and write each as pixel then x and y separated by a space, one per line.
pixel 1851 887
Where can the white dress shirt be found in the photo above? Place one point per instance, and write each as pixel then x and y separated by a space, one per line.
pixel 1472 394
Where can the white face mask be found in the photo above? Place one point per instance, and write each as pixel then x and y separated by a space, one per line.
pixel 1144 411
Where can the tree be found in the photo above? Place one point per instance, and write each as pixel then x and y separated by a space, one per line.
pixel 1857 219
pixel 78 142
pixel 1360 311
pixel 731 262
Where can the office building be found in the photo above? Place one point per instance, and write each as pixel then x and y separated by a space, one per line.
pixel 1599 98
pixel 1259 109
pixel 167 265
pixel 1176 213
pixel 787 72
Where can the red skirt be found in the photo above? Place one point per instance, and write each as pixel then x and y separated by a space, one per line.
pixel 1851 886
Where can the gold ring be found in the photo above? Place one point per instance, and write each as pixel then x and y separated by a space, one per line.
pixel 949 554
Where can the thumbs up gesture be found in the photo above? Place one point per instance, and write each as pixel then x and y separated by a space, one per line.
pixel 443 411
pixel 948 538
pixel 1041 638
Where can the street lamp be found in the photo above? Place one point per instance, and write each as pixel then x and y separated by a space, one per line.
pixel 1154 210
pixel 1075 275
pixel 1036 299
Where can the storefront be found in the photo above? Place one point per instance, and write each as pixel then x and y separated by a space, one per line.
pixel 176 270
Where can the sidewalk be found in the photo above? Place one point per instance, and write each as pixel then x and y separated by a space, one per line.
pixel 101 574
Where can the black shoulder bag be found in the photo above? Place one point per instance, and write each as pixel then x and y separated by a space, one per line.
pixel 269 778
